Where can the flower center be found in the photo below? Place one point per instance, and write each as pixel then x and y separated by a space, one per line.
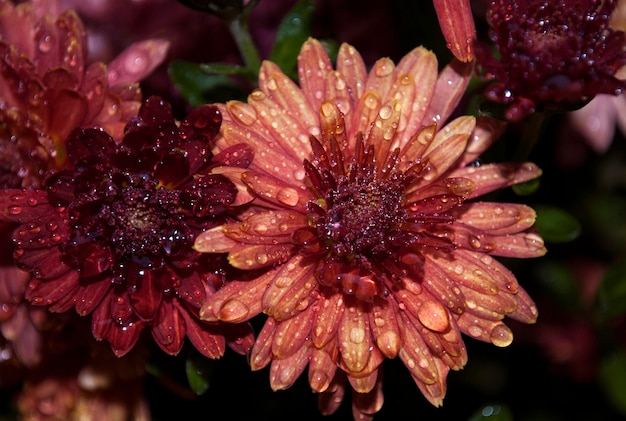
pixel 361 214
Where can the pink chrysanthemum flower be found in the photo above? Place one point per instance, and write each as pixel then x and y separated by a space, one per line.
pixel 48 88
pixel 362 226
pixel 553 55
pixel 112 235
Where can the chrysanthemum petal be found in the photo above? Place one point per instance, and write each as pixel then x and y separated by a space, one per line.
pixel 322 367
pixel 169 329
pixel 275 191
pixel 451 86
pixel 366 405
pixel 290 290
pixel 288 95
pixel 327 317
pixel 354 339
pixel 291 334
pixel 261 353
pixel 384 327
pixel 350 64
pixel 491 177
pixel 284 372
pixel 313 66
pixel 235 303
pixel 214 241
pixel 206 338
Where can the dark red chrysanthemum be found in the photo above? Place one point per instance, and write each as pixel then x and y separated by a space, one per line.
pixel 113 235
pixel 553 55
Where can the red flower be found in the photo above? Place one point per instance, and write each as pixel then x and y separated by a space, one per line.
pixel 112 235
pixel 361 224
pixel 553 55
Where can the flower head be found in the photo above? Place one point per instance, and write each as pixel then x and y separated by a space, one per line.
pixel 113 234
pixel 554 55
pixel 48 88
pixel 361 226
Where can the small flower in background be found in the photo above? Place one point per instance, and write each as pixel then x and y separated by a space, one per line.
pixel 360 218
pixel 112 235
pixel 49 88
pixel 551 56
pixel 596 122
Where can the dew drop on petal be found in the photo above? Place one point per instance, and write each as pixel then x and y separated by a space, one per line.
pixel 501 336
pixel 283 281
pixel 233 310
pixel 357 335
pixel 434 316
pixel 288 196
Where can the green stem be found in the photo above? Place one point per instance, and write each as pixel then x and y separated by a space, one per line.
pixel 247 48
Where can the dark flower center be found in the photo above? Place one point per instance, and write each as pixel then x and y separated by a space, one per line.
pixel 360 215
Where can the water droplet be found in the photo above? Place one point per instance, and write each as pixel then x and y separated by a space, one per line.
pixel 501 336
pixel 474 241
pixel 283 281
pixel 475 331
pixel 261 258
pixel 243 113
pixel 15 209
pixel 45 43
pixel 383 67
pixel 288 195
pixel 260 228
pixel 357 335
pixel 434 316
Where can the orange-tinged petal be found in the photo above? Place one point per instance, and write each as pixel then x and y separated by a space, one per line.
pixel 351 65
pixel 290 290
pixel 257 256
pixel 288 95
pixel 329 312
pixel 291 334
pixel 496 218
pixel 235 295
pixel 313 66
pixel 261 353
pixel 384 327
pixel 354 339
pixel 491 177
pixel 213 241
pixel 285 371
pixel 322 367
pixel 451 85
pixel 276 191
pixel 457 24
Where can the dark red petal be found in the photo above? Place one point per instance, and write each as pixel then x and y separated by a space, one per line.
pixel 43 263
pixel 86 146
pixel 114 322
pixel 204 121
pixel 23 205
pixel 240 337
pixel 173 169
pixel 89 296
pixel 192 291
pixel 155 111
pixel 239 156
pixel 205 337
pixel 49 291
pixel 146 295
pixel 169 328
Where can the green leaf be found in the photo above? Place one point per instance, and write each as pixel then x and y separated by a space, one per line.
pixel 527 188
pixel 556 225
pixel 205 83
pixel 611 297
pixel 293 31
pixel 199 371
pixel 613 379
pixel 494 412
